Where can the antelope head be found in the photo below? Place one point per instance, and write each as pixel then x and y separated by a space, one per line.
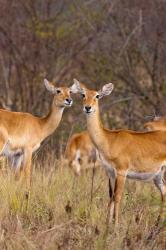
pixel 62 95
pixel 91 97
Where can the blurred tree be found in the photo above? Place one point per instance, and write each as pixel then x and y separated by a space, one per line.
pixel 94 41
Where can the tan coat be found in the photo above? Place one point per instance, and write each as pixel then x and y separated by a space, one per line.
pixel 123 153
pixel 81 152
pixel 22 133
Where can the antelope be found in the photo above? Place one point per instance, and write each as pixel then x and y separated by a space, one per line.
pixel 80 151
pixel 23 133
pixel 159 123
pixel 123 153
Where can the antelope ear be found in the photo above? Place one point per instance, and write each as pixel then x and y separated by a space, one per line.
pixel 77 87
pixel 76 82
pixel 106 90
pixel 49 86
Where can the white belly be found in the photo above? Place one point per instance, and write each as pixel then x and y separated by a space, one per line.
pixel 7 151
pixel 109 167
pixel 141 176
pixel 144 176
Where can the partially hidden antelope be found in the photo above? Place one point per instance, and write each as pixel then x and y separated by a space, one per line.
pixel 81 152
pixel 123 153
pixel 159 123
pixel 22 133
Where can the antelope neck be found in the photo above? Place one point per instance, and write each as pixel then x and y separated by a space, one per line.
pixel 52 120
pixel 95 128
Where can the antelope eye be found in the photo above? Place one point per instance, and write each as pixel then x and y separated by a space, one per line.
pixel 58 91
pixel 83 95
pixel 97 96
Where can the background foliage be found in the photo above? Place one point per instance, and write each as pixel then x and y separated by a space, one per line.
pixel 94 41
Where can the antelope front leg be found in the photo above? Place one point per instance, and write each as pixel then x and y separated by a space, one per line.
pixel 112 179
pixel 26 169
pixel 119 186
pixel 111 202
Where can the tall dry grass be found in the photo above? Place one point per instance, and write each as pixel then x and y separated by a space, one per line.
pixel 61 214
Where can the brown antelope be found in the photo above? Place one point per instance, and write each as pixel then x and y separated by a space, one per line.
pixel 123 153
pixel 24 132
pixel 159 123
pixel 80 152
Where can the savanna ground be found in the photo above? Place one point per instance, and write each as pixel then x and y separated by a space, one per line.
pixel 63 214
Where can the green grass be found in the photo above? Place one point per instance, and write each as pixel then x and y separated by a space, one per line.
pixel 61 215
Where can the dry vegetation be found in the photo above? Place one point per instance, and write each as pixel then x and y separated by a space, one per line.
pixel 60 213
pixel 97 42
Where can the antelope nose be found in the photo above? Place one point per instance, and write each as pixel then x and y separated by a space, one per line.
pixel 87 108
pixel 69 100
